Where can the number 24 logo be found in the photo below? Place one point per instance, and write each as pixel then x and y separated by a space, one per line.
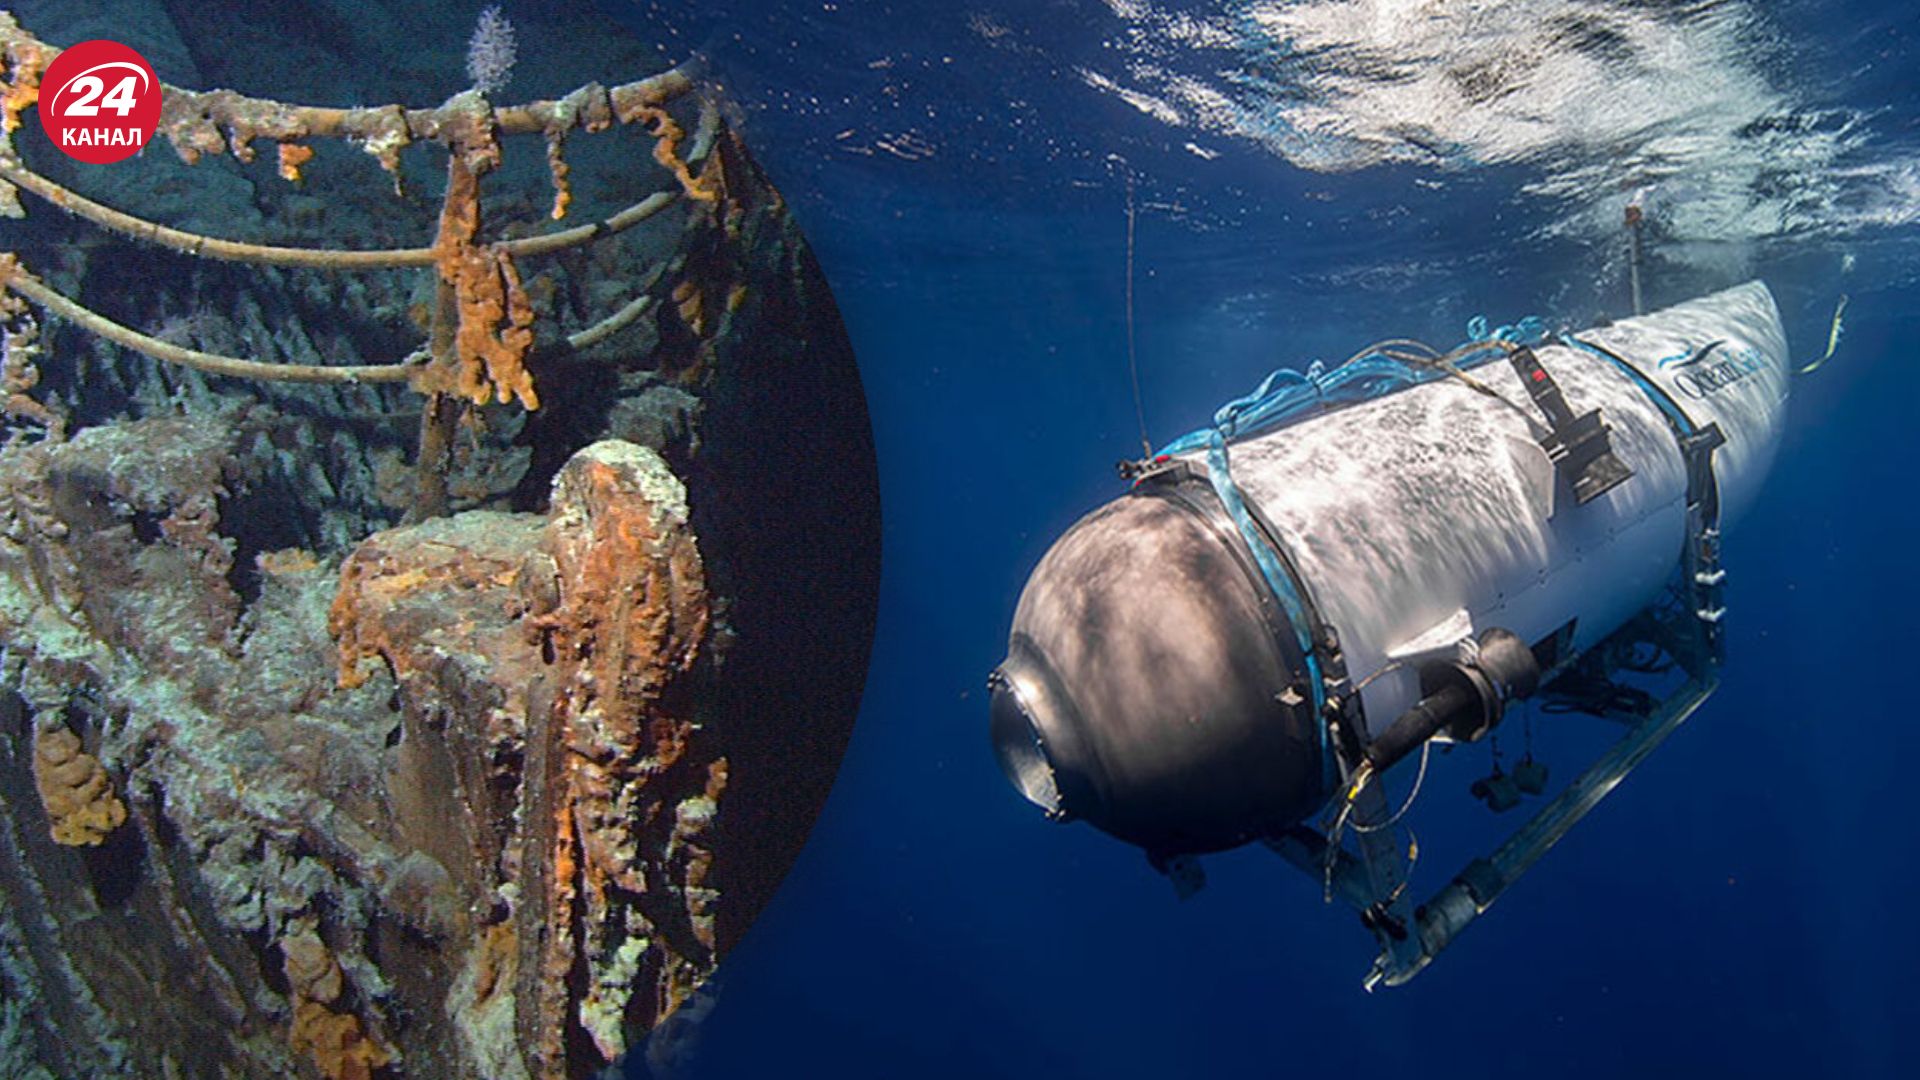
pixel 90 86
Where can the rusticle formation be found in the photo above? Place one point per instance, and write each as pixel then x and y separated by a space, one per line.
pixel 432 714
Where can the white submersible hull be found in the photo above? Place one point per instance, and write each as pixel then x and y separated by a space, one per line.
pixel 1421 516
pixel 1269 619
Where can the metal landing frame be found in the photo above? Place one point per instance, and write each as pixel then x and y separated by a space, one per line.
pixel 1370 879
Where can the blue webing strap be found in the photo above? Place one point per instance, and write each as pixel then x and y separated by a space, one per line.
pixel 1281 398
pixel 1281 582
pixel 1700 561
pixel 1683 424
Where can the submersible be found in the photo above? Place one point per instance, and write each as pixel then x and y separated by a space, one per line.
pixel 1351 564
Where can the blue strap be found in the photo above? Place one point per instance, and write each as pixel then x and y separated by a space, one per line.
pixel 1700 558
pixel 1681 422
pixel 1280 582
pixel 1286 394
pixel 1531 330
pixel 1282 396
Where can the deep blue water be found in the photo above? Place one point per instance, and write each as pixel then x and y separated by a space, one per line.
pixel 1741 907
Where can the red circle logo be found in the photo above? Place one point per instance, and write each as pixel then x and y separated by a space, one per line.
pixel 99 102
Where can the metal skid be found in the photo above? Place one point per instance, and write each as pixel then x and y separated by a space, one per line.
pixel 1370 876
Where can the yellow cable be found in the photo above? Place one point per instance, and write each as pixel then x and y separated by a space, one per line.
pixel 1833 336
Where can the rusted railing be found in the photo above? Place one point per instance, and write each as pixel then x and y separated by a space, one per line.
pixel 480 332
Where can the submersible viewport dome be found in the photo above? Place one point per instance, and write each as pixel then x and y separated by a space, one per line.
pixel 1143 688
pixel 1365 560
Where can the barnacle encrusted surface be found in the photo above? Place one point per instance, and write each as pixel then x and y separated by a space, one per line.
pixel 578 631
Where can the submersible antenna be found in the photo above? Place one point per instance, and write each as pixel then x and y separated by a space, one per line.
pixel 1634 217
pixel 1133 362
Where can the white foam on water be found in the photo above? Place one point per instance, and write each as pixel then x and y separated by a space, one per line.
pixel 1683 106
